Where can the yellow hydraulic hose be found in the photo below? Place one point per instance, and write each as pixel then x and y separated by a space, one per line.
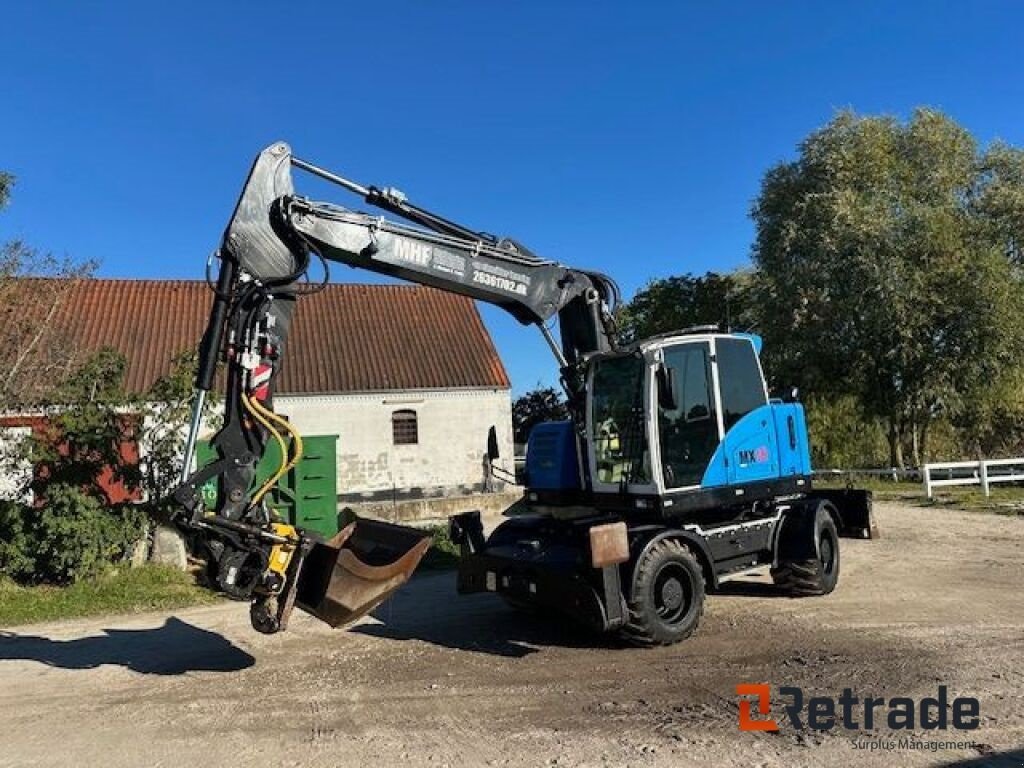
pixel 264 414
pixel 253 407
pixel 297 446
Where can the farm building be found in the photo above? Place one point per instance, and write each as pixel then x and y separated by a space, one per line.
pixel 406 377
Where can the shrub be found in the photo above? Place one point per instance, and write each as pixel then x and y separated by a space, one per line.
pixel 843 436
pixel 16 560
pixel 70 536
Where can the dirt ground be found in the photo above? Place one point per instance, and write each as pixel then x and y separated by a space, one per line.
pixel 440 680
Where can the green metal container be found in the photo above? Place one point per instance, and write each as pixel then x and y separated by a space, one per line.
pixel 306 496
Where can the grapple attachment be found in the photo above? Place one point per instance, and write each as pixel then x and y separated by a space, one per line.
pixel 350 574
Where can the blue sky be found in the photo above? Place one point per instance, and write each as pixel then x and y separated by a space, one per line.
pixel 627 137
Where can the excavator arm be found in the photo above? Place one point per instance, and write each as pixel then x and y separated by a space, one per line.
pixel 265 252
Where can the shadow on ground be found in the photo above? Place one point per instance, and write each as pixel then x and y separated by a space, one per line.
pixel 741 588
pixel 428 609
pixel 172 649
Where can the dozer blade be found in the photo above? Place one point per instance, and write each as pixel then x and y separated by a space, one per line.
pixel 358 569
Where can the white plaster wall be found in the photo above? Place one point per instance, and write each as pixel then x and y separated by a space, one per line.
pixel 453 428
pixel 14 474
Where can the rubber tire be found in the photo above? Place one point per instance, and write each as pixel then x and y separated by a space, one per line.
pixel 811 578
pixel 644 626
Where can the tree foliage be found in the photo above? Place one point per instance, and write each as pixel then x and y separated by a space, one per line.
pixel 536 406
pixel 88 426
pixel 886 256
pixel 74 527
pixel 674 303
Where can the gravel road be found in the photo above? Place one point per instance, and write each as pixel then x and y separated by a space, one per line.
pixel 434 679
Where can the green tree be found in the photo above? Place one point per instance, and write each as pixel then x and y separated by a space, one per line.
pixel 883 269
pixel 89 424
pixel 842 436
pixel 673 303
pixel 538 405
pixel 999 201
pixel 73 527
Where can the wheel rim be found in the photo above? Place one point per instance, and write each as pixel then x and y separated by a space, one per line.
pixel 673 593
pixel 827 553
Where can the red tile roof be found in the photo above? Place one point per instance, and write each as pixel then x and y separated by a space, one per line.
pixel 347 338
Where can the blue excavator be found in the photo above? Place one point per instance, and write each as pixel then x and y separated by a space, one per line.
pixel 676 471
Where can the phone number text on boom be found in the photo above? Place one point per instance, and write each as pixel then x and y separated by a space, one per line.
pixel 502 283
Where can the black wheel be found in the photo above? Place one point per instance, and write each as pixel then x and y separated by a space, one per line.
pixel 667 595
pixel 263 615
pixel 818 575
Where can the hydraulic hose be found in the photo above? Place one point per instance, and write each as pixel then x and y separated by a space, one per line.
pixel 253 406
pixel 265 415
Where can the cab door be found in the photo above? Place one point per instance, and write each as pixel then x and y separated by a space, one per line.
pixel 688 433
pixel 750 442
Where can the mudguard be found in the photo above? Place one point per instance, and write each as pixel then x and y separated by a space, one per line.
pixel 855 508
pixel 796 539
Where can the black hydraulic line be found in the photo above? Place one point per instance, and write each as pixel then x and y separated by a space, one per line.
pixel 209 349
pixel 394 202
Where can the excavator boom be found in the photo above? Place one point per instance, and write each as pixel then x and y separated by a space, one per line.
pixel 265 251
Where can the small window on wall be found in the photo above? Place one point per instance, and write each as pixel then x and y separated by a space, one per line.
pixel 404 429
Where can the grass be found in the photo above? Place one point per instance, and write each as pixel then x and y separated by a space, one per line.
pixel 133 590
pixel 443 553
pixel 150 588
pixel 1005 499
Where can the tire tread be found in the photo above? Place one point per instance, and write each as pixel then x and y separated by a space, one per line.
pixel 638 630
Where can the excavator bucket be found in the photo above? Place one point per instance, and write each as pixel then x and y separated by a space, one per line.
pixel 350 574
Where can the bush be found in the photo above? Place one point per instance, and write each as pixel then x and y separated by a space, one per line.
pixel 842 436
pixel 16 560
pixel 69 537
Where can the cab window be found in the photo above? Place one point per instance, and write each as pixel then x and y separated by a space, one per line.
pixel 739 377
pixel 617 421
pixel 688 434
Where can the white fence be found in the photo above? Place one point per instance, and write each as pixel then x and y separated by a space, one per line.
pixel 983 473
pixel 893 473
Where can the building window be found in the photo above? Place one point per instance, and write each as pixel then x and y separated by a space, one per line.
pixel 404 429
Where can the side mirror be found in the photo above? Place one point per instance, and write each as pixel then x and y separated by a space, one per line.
pixel 666 380
pixel 492 444
pixel 793 396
